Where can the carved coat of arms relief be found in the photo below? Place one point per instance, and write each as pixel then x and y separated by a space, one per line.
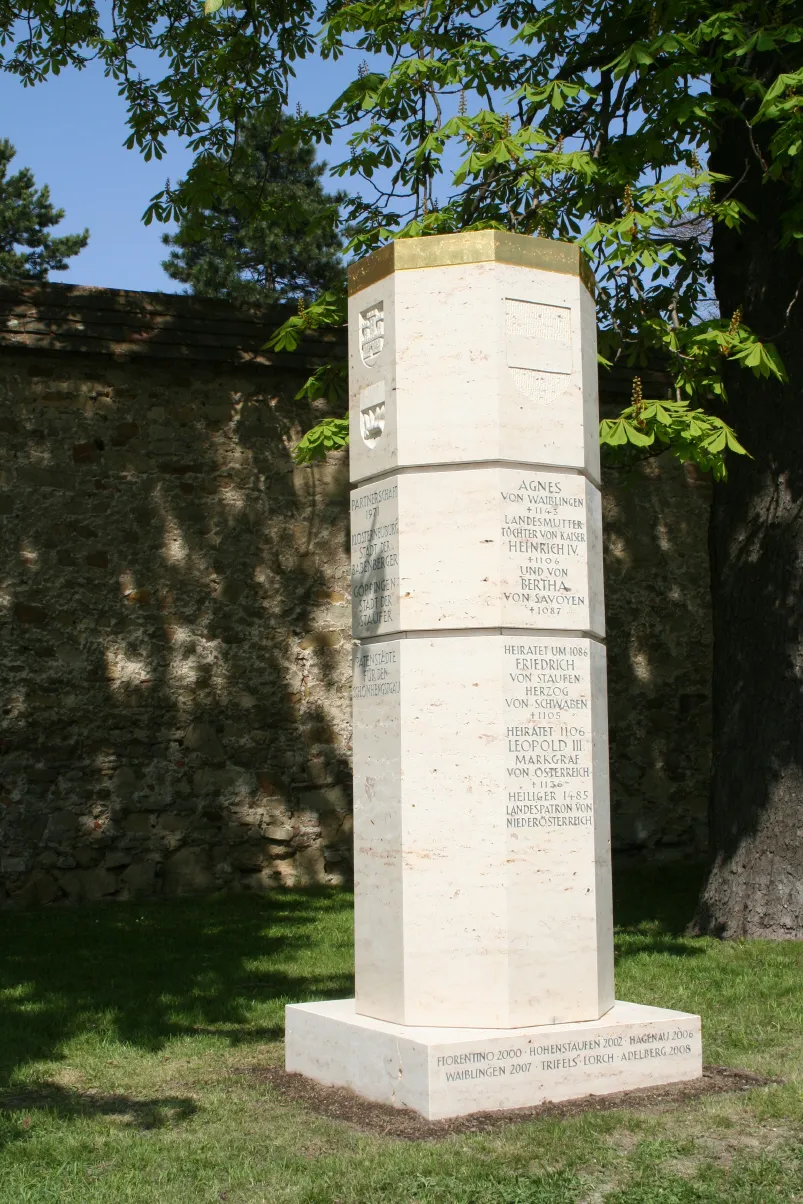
pixel 372 333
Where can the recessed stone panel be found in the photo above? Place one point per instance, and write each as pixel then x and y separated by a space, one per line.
pixel 497 823
pixel 473 362
pixel 477 547
pixel 375 558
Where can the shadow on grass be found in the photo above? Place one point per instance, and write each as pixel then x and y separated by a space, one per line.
pixel 64 1102
pixel 145 974
pixel 653 907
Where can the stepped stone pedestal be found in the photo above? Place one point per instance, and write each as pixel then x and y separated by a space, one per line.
pixel 483 931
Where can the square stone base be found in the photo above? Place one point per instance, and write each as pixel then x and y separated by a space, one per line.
pixel 443 1072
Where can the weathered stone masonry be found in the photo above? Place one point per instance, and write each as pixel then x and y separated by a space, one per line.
pixel 175 621
pixel 658 615
pixel 174 613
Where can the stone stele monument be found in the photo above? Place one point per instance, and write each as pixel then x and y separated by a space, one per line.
pixel 484 945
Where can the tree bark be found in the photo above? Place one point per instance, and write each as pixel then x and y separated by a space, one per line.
pixel 755 883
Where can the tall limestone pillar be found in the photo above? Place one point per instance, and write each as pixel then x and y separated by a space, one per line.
pixel 483 927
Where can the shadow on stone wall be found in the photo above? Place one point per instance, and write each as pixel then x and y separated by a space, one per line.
pixel 175 707
pixel 658 615
pixel 175 612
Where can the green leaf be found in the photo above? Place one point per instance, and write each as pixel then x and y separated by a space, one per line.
pixel 733 443
pixel 638 437
pixel 331 434
pixel 612 432
pixel 716 442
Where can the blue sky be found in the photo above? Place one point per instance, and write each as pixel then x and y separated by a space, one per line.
pixel 70 132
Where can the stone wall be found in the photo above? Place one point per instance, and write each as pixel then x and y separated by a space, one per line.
pixel 658 612
pixel 175 629
pixel 174 613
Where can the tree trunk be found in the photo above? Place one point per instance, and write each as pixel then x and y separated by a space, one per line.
pixel 755 884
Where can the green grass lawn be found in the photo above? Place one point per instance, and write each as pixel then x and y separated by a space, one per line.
pixel 127 1032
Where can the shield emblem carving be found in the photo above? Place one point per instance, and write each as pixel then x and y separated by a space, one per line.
pixel 372 413
pixel 372 333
